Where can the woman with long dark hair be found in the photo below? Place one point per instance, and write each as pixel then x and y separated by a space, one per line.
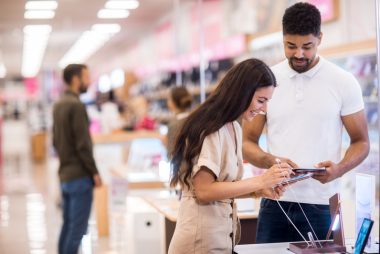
pixel 207 162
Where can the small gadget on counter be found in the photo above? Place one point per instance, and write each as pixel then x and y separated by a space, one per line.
pixel 337 245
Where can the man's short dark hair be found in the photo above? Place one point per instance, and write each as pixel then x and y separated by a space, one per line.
pixel 71 71
pixel 301 19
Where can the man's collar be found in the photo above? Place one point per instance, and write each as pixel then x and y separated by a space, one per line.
pixel 69 92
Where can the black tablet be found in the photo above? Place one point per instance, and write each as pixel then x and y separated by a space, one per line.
pixel 361 240
pixel 315 171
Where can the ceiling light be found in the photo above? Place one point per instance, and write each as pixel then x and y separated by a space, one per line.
pixel 106 28
pixel 41 5
pixel 39 14
pixel 112 14
pixel 120 4
pixel 89 42
pixel 35 42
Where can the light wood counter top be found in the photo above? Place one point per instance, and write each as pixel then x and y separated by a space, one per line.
pixel 169 208
pixel 124 136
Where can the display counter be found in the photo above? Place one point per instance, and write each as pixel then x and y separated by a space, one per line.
pixel 124 136
pixel 169 206
pixel 270 248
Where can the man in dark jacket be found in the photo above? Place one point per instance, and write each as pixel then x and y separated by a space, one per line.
pixel 77 171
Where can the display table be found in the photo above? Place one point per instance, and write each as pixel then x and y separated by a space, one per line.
pixel 124 136
pixel 271 248
pixel 169 207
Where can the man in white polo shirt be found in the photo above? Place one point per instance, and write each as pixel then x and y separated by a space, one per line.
pixel 305 117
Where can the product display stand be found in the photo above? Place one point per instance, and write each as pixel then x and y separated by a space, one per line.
pixel 328 246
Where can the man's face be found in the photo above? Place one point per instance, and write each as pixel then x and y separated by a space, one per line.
pixel 84 80
pixel 300 50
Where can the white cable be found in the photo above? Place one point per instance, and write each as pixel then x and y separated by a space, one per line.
pixel 294 196
pixel 303 212
pixel 282 209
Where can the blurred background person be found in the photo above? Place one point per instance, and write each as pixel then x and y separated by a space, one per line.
pixel 78 173
pixel 179 102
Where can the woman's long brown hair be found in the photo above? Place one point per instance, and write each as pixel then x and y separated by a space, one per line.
pixel 227 103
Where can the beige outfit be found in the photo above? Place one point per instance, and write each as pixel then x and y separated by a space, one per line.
pixel 213 227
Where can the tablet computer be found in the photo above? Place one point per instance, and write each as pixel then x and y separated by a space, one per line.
pixel 316 171
pixel 296 178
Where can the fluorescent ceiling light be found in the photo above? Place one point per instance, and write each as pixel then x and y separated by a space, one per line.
pixel 89 42
pixel 3 70
pixel 112 14
pixel 41 5
pixel 106 28
pixel 39 14
pixel 120 4
pixel 37 29
pixel 35 42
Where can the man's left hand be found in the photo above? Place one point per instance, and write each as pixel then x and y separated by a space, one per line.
pixel 332 172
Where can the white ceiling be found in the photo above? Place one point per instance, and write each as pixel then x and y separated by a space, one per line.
pixel 72 18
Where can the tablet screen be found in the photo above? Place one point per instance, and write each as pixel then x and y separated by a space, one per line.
pixel 296 178
pixel 362 239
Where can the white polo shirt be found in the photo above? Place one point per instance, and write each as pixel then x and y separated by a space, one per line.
pixel 304 122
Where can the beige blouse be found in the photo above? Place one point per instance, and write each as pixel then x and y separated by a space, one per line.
pixel 213 227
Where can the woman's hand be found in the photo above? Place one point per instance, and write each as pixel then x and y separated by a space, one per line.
pixel 275 175
pixel 272 193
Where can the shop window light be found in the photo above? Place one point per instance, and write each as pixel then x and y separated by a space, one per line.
pixel 89 42
pixel 120 4
pixel 104 84
pixel 35 42
pixel 266 40
pixel 112 14
pixel 117 78
pixel 3 70
pixel 39 14
pixel 41 5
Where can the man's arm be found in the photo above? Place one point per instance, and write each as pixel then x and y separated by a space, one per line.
pixel 252 152
pixel 356 126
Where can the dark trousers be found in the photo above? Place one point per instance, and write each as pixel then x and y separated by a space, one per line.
pixel 76 200
pixel 273 226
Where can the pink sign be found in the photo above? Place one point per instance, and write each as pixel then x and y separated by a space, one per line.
pixel 326 7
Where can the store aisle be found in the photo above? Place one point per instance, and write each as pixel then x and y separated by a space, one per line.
pixel 29 216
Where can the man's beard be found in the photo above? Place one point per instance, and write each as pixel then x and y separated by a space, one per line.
pixel 300 68
pixel 82 88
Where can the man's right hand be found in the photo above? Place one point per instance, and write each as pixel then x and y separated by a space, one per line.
pixel 97 180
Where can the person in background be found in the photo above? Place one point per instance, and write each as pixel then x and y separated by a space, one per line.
pixel 78 173
pixel 140 107
pixel 110 117
pixel 207 162
pixel 179 102
pixel 314 100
